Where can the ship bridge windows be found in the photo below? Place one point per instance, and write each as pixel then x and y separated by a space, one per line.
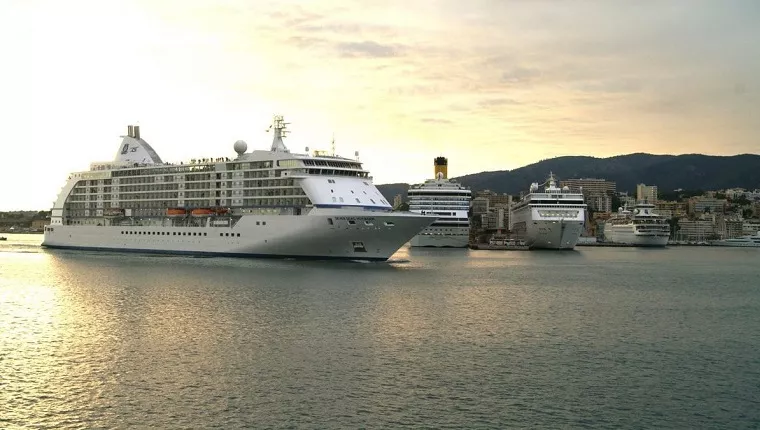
pixel 333 163
pixel 289 163
pixel 337 172
pixel 557 213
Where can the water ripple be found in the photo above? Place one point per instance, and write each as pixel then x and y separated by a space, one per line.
pixel 597 338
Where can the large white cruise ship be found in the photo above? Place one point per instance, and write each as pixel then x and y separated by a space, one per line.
pixel 449 201
pixel 640 227
pixel 260 204
pixel 552 219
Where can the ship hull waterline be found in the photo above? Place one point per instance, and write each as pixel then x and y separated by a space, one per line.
pixel 553 235
pixel 628 237
pixel 327 235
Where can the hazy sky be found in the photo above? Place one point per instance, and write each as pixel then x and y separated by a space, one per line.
pixel 491 84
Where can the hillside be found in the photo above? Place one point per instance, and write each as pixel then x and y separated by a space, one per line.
pixel 668 172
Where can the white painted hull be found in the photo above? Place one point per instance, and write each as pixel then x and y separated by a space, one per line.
pixel 625 235
pixel 553 234
pixel 442 237
pixel 547 233
pixel 736 244
pixel 283 236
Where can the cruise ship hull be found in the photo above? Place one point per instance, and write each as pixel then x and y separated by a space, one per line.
pixel 319 235
pixel 627 236
pixel 430 238
pixel 553 234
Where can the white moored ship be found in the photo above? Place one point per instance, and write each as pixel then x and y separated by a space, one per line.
pixel 552 219
pixel 449 201
pixel 640 227
pixel 749 241
pixel 260 204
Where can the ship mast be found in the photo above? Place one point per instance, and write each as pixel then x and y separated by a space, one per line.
pixel 280 131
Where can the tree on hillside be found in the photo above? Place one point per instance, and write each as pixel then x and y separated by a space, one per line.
pixel 741 200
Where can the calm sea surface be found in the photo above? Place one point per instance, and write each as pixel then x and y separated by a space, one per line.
pixel 593 338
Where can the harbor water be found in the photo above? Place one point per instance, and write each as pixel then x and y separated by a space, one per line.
pixel 592 338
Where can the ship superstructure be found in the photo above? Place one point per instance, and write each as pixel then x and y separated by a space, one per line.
pixel 449 201
pixel 640 227
pixel 264 203
pixel 548 219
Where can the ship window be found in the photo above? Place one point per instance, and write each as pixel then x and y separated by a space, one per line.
pixel 221 234
pixel 335 199
pixel 263 223
pixel 330 221
pixel 351 222
pixel 205 234
pixel 357 201
pixel 226 234
pixel 257 223
pixel 341 199
pixel 368 223
pixel 389 224
pixel 238 235
pixel 358 246
pixel 373 202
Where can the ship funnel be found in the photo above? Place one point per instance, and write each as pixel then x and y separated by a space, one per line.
pixel 130 131
pixel 441 166
pixel 136 132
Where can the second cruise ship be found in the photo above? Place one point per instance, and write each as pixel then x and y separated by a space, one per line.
pixel 449 201
pixel 642 227
pixel 264 203
pixel 552 219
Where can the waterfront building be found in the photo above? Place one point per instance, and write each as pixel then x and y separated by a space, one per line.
pixel 646 193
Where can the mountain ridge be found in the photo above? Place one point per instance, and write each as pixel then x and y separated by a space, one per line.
pixel 667 172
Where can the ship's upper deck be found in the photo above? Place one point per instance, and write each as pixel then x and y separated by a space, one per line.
pixel 552 195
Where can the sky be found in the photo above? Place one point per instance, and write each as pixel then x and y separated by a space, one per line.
pixel 490 84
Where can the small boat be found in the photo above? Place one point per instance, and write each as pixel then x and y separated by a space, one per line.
pixel 113 212
pixel 176 212
pixel 203 212
pixel 3 238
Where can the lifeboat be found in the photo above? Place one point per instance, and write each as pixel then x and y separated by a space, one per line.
pixel 221 211
pixel 202 212
pixel 113 212
pixel 176 212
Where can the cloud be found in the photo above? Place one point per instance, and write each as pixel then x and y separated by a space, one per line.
pixel 596 78
pixel 436 121
pixel 499 102
pixel 368 49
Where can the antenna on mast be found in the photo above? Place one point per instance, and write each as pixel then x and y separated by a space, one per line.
pixel 280 131
pixel 332 145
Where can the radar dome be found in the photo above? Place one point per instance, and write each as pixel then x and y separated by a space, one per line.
pixel 533 187
pixel 565 188
pixel 241 147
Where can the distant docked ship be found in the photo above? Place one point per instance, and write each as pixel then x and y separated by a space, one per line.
pixel 264 203
pixel 749 241
pixel 552 219
pixel 640 227
pixel 449 201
